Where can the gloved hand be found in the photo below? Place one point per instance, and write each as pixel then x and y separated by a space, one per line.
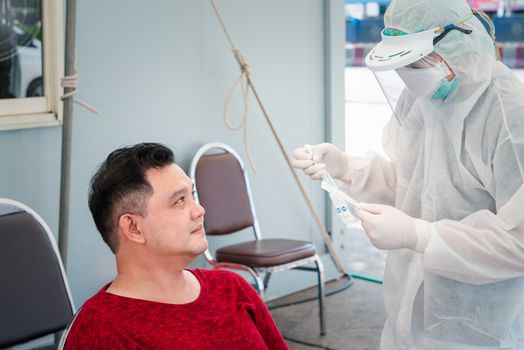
pixel 389 228
pixel 325 157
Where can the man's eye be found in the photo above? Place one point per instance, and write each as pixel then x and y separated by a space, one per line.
pixel 180 200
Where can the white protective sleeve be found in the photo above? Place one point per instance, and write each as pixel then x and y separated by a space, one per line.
pixel 481 248
pixel 371 179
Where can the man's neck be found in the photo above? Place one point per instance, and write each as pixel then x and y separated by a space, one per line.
pixel 173 285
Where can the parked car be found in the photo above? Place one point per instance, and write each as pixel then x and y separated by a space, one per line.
pixel 29 63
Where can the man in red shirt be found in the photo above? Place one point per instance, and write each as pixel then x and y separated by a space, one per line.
pixel 143 205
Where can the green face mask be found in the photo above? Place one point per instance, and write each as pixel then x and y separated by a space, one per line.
pixel 445 88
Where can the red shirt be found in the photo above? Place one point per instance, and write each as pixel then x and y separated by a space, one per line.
pixel 228 314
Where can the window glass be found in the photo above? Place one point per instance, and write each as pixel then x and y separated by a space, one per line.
pixel 21 73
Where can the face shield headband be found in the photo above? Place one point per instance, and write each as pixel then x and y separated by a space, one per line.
pixel 412 75
pixel 399 49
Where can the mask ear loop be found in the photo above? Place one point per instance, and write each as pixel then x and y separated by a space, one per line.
pixel 490 28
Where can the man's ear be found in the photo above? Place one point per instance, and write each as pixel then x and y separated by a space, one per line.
pixel 128 226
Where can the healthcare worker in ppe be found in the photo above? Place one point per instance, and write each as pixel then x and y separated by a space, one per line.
pixel 449 202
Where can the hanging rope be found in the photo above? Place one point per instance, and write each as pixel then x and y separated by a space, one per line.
pixel 71 81
pixel 245 78
pixel 244 88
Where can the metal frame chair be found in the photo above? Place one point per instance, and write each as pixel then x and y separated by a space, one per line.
pixel 35 299
pixel 222 187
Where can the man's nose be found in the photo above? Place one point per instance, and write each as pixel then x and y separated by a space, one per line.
pixel 199 210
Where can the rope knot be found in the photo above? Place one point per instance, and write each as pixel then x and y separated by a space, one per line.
pixel 71 82
pixel 245 68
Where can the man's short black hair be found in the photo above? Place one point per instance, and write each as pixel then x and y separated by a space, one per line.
pixel 120 186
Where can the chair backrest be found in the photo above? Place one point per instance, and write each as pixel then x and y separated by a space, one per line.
pixel 34 295
pixel 222 188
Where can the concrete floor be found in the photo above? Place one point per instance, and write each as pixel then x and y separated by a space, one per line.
pixel 354 317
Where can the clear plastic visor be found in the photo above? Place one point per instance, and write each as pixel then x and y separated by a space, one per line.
pixel 429 61
pixel 410 89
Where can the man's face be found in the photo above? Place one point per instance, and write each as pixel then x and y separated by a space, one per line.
pixel 173 224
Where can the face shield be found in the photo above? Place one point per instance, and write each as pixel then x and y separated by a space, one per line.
pixel 411 74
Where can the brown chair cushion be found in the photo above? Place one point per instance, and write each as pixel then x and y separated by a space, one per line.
pixel 265 252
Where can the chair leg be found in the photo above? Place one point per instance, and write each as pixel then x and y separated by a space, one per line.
pixel 266 279
pixel 259 283
pixel 321 297
pixel 259 286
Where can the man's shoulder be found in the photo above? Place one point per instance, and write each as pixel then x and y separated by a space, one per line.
pixel 96 316
pixel 226 285
pixel 100 306
pixel 219 276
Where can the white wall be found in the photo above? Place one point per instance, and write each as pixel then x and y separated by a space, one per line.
pixel 159 71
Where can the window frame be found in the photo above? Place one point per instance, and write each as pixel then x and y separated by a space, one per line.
pixel 32 112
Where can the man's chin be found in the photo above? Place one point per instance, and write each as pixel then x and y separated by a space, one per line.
pixel 203 247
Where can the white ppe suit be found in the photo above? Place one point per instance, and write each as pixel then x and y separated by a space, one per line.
pixel 458 164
